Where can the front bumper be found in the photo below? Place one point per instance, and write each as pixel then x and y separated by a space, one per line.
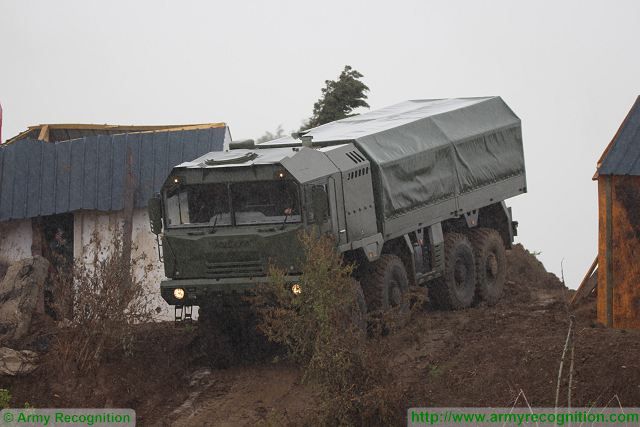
pixel 198 290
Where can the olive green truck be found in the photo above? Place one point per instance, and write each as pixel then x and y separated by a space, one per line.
pixel 413 194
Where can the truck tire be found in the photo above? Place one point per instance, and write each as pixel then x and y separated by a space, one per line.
pixel 385 285
pixel 457 288
pixel 359 311
pixel 491 264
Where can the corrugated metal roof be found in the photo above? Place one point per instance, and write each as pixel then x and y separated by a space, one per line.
pixel 39 178
pixel 622 156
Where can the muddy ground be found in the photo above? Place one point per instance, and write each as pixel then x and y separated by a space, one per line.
pixel 483 356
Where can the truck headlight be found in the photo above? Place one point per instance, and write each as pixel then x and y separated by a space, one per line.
pixel 178 293
pixel 296 289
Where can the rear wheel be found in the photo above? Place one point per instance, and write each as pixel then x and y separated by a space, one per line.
pixel 456 289
pixel 491 264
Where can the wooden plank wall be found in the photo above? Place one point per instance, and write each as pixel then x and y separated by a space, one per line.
pixel 619 251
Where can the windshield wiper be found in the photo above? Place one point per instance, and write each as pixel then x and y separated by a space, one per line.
pixel 286 217
pixel 215 221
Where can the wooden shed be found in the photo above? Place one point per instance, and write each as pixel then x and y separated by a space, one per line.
pixel 618 177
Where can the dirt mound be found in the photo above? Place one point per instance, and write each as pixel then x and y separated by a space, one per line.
pixel 528 280
pixel 525 269
pixel 152 376
pixel 482 356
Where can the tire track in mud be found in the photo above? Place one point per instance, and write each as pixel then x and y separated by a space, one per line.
pixel 244 395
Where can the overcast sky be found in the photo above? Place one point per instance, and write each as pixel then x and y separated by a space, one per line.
pixel 569 69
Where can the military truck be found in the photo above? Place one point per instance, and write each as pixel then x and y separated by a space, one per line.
pixel 413 194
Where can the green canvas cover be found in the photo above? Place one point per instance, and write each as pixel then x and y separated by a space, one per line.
pixel 426 151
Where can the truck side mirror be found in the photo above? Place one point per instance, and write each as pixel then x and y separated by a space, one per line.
pixel 155 214
pixel 319 203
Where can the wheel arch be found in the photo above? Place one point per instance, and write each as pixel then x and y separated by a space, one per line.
pixel 498 217
pixel 401 247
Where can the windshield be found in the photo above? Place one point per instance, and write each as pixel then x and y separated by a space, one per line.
pixel 199 204
pixel 265 202
pixel 261 202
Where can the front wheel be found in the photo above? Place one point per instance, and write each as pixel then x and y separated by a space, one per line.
pixel 385 285
pixel 227 331
pixel 359 309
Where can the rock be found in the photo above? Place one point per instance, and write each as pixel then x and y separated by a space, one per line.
pixel 199 377
pixel 21 290
pixel 14 362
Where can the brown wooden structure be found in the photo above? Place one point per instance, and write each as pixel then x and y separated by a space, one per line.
pixel 618 177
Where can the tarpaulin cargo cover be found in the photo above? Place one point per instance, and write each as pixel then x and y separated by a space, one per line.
pixel 426 151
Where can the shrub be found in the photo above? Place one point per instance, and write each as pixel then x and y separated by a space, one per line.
pixel 319 329
pixel 106 300
pixel 314 323
pixel 5 398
